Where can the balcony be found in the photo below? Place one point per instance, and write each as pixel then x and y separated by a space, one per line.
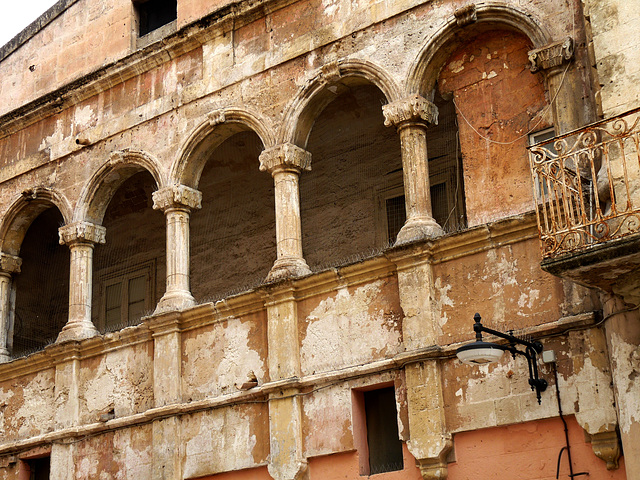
pixel 587 194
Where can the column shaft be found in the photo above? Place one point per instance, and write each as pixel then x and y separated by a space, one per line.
pixel 411 117
pixel 5 315
pixel 81 238
pixel 285 163
pixel 176 202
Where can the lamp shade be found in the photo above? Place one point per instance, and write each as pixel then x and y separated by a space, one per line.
pixel 479 353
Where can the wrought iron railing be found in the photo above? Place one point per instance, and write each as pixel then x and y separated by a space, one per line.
pixel 587 185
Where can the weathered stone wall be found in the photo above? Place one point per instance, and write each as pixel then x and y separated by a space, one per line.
pixel 261 383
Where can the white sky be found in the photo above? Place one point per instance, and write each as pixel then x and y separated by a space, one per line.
pixel 17 14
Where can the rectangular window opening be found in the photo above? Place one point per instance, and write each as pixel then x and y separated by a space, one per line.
pixel 376 431
pixel 37 468
pixel 153 14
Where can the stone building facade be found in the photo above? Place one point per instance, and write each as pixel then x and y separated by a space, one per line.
pixel 245 239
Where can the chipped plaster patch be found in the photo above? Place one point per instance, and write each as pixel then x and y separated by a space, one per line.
pixel 330 7
pixel 37 411
pixel 626 374
pixel 84 116
pixel 442 299
pixel 223 442
pixel 326 411
pixel 343 331
pixel 222 358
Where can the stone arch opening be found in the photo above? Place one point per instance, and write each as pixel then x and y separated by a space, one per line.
pixel 129 269
pixel 233 236
pixel 352 200
pixel 497 102
pixel 40 291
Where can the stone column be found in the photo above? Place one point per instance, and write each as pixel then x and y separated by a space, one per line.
pixel 622 329
pixel 411 117
pixel 176 202
pixel 286 461
pixel 568 107
pixel 80 237
pixel 9 265
pixel 285 163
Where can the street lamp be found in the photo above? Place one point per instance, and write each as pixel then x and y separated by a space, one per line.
pixel 480 352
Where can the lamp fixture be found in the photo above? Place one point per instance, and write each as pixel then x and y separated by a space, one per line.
pixel 480 352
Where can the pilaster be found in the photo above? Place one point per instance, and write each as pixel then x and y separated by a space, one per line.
pixel 80 237
pixel 285 162
pixel 167 390
pixel 563 83
pixel 177 201
pixel 411 117
pixel 622 329
pixel 286 461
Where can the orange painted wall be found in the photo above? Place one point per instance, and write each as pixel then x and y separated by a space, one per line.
pixel 527 451
pixel 260 473
pixel 344 466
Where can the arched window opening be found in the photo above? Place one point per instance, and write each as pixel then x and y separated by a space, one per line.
pixel 498 103
pixel 41 288
pixel 445 168
pixel 352 200
pixel 129 269
pixel 233 240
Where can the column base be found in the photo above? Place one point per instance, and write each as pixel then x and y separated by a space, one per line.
pixel 284 268
pixel 77 330
pixel 175 301
pixel 416 229
pixel 4 356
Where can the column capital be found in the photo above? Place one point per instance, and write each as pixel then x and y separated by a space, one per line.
pixel 177 196
pixel 9 263
pixel 285 156
pixel 84 232
pixel 411 109
pixel 552 55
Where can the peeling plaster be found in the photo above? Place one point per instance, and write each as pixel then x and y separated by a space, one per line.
pixel 343 330
pixel 627 372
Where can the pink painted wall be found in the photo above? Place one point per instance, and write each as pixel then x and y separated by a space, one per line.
pixel 527 451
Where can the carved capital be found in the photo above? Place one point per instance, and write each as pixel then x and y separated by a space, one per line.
pixel 552 55
pixel 177 196
pixel 287 156
pixel 82 232
pixel 10 263
pixel 216 117
pixel 412 109
pixel 466 15
pixel 606 446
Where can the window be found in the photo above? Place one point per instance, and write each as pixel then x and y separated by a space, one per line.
pixel 376 431
pixel 39 468
pixel 127 295
pixel 396 216
pixel 153 14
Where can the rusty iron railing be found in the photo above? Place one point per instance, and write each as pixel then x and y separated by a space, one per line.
pixel 587 185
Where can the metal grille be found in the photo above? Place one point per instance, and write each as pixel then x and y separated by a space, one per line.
pixel 583 185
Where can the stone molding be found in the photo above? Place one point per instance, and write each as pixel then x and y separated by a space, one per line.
pixel 177 196
pixel 552 55
pixel 83 232
pixel 606 446
pixel 286 155
pixel 9 263
pixel 330 73
pixel 411 109
pixel 466 15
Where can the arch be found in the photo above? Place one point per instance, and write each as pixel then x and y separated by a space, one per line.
pixel 323 88
pixel 24 210
pixel 430 60
pixel 121 165
pixel 220 125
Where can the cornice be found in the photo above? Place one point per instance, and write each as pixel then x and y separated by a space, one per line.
pixel 187 39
